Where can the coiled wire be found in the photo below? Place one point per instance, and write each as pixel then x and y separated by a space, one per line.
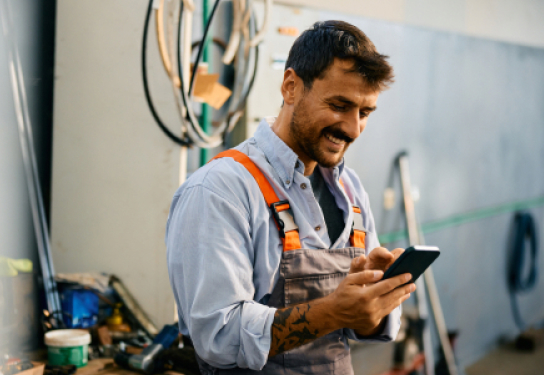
pixel 524 229
pixel 245 74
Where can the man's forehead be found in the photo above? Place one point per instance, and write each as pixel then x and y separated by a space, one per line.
pixel 344 69
pixel 342 78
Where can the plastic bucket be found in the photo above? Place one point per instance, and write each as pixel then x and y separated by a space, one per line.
pixel 68 347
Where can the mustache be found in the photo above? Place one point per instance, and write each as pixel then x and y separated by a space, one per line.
pixel 337 133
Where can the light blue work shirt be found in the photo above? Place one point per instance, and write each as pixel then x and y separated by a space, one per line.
pixel 224 250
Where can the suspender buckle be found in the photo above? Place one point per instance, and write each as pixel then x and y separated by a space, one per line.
pixel 357 220
pixel 283 215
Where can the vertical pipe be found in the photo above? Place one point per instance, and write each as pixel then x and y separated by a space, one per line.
pixel 186 66
pixel 205 118
pixel 31 166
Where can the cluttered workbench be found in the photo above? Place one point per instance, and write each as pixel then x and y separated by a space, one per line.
pixel 172 361
pixel 101 330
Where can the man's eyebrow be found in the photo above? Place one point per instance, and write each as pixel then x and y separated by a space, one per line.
pixel 349 102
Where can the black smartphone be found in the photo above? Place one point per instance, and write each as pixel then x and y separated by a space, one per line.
pixel 414 261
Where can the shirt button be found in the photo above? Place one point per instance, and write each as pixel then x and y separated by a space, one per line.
pixel 303 186
pixel 318 228
pixel 287 182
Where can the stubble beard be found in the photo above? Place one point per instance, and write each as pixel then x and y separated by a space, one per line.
pixel 308 140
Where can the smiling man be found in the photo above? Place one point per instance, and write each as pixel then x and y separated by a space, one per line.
pixel 273 254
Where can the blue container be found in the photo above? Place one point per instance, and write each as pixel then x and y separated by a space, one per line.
pixel 80 307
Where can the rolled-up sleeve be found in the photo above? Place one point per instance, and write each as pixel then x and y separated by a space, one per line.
pixel 388 333
pixel 210 263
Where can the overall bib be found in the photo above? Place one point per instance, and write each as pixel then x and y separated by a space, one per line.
pixel 305 275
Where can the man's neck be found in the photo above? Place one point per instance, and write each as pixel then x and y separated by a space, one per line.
pixel 281 128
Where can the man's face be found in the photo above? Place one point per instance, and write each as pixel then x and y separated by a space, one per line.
pixel 331 115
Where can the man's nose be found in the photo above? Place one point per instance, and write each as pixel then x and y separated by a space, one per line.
pixel 354 124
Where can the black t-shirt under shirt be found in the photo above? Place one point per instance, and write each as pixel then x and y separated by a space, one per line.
pixel 334 217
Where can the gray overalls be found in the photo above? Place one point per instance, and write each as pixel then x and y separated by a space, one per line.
pixel 305 275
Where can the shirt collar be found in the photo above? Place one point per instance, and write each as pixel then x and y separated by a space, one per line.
pixel 280 156
pixel 332 175
pixel 283 159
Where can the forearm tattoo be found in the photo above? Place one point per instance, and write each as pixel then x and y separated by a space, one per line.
pixel 291 329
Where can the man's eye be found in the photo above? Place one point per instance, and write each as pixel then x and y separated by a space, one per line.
pixel 339 108
pixel 363 114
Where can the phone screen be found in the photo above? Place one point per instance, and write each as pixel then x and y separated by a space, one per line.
pixel 414 260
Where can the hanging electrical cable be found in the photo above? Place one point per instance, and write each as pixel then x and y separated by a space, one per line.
pixel 183 141
pixel 248 85
pixel 524 230
pixel 196 133
pixel 232 117
pixel 246 58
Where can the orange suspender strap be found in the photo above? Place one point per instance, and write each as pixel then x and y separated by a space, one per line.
pixel 358 232
pixel 281 210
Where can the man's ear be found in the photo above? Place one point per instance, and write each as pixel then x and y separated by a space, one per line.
pixel 289 86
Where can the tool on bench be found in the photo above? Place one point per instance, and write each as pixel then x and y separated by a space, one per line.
pixel 145 361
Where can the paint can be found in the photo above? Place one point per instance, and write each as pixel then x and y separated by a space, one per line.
pixel 68 347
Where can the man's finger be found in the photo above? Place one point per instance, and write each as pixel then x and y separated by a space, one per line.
pixel 364 277
pixel 397 296
pixel 393 303
pixel 380 254
pixel 357 264
pixel 386 286
pixel 396 254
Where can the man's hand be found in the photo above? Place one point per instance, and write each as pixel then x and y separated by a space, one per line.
pixel 361 301
pixel 381 259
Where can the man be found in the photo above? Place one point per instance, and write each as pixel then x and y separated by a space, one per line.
pixel 278 285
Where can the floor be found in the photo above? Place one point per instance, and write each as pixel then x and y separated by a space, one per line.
pixel 506 360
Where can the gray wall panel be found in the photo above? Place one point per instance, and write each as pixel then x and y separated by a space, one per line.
pixel 469 111
pixel 470 114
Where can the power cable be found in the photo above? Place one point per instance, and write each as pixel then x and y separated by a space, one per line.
pixel 149 100
pixel 244 78
pixel 524 230
pixel 201 46
pixel 196 133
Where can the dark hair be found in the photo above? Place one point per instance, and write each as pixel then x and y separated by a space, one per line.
pixel 315 49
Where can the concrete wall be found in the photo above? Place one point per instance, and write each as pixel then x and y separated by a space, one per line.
pixel 469 113
pixel 518 22
pixel 468 110
pixel 114 172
